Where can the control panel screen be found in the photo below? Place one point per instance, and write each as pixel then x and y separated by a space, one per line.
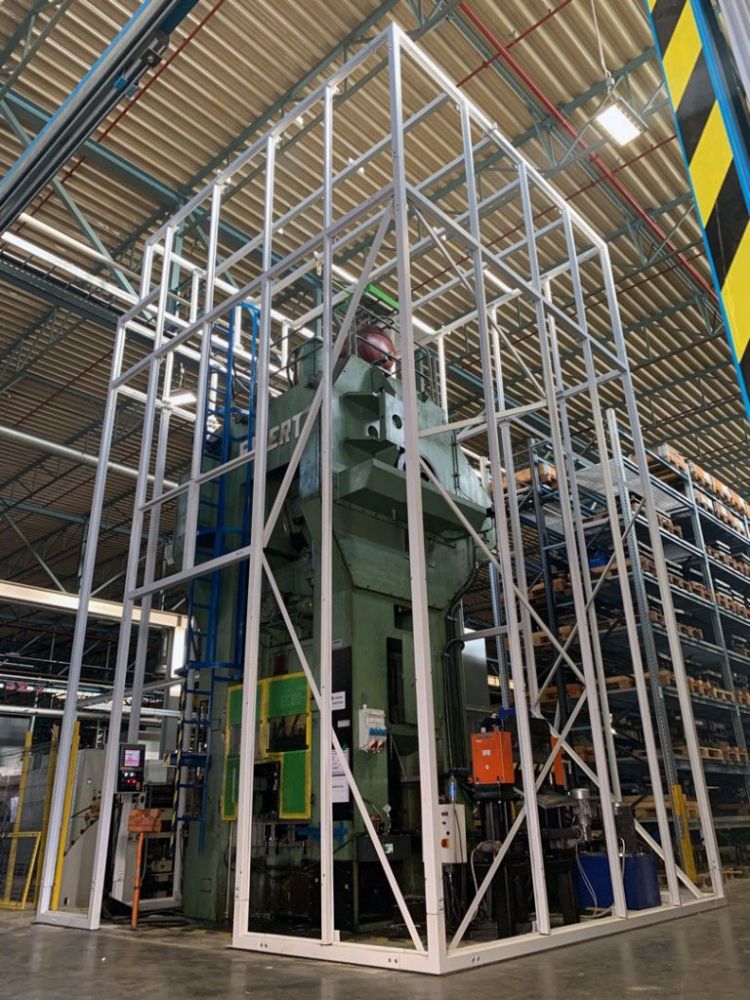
pixel 130 773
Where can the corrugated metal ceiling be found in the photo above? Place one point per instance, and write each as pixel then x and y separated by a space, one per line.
pixel 241 61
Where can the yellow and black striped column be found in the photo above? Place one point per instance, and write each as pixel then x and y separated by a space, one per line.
pixel 715 178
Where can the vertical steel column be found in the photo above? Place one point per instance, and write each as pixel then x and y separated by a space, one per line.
pixel 675 649
pixel 152 545
pixel 131 578
pixel 533 825
pixel 516 532
pixel 326 541
pixel 502 666
pixel 442 375
pixel 647 632
pixel 203 389
pixel 55 832
pixel 255 570
pixel 652 754
pixel 183 741
pixel 726 667
pixel 574 563
pixel 549 596
pixel 433 869
pixel 575 495
pixel 495 600
pixel 617 541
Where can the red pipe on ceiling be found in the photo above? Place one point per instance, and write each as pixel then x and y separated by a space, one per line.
pixel 596 181
pixel 553 12
pixel 593 157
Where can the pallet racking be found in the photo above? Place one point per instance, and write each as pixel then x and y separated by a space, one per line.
pixel 705 535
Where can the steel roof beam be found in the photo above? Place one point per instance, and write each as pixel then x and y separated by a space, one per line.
pixel 53 534
pixel 705 425
pixel 70 203
pixel 26 40
pixel 132 176
pixel 31 548
pixel 34 117
pixel 167 198
pixel 440 11
pixel 35 282
pixel 682 380
pixel 46 549
pixel 43 597
pixel 657 317
pixel 295 91
pixel 135 48
pixel 33 341
pixel 81 396
pixel 61 515
pixel 54 448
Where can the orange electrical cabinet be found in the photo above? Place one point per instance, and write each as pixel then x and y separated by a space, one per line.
pixel 558 768
pixel 492 758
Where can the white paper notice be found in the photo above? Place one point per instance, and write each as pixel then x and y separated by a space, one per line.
pixel 338 701
pixel 339 786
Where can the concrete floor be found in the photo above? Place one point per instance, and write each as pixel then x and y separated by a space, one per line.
pixel 702 957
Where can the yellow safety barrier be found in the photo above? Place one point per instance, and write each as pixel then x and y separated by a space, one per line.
pixel 686 844
pixel 14 838
pixel 7 902
pixel 67 806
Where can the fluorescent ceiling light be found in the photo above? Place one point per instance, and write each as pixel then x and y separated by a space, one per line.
pixel 182 398
pixel 620 122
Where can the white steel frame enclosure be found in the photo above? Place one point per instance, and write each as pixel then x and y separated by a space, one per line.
pixel 473 243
